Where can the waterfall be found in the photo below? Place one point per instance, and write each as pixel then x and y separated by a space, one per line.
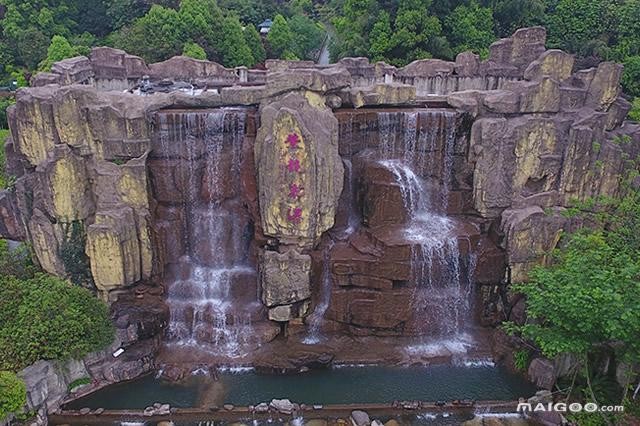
pixel 442 281
pixel 424 140
pixel 315 319
pixel 205 307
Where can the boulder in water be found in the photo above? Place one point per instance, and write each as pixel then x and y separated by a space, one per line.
pixel 360 418
pixel 283 406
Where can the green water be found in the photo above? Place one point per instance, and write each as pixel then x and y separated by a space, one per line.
pixel 332 386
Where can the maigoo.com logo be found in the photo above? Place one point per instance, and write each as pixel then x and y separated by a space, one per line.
pixel 574 407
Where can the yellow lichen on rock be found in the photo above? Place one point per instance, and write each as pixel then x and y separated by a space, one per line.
pixel 133 190
pixel 68 184
pixel 113 250
pixel 536 142
pixel 35 134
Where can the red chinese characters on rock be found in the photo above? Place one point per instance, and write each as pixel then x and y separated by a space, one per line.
pixel 293 140
pixel 293 165
pixel 295 191
pixel 294 214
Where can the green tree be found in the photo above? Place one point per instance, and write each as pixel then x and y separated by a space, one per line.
pixel 634 114
pixel 202 21
pixel 509 15
pixel 47 318
pixel 193 50
pixel 13 394
pixel 352 27
pixel 234 49
pixel 631 75
pixel 470 27
pixel 156 36
pixel 254 41
pixel 589 296
pixel 251 11
pixel 58 50
pixel 307 37
pixel 415 32
pixel 380 38
pixel 575 24
pixel 280 37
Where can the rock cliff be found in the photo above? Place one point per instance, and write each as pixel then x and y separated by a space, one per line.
pixel 522 136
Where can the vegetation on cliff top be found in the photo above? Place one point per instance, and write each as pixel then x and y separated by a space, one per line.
pixel 36 34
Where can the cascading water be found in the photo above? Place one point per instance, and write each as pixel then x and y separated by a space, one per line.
pixel 202 297
pixel 315 319
pixel 426 144
pixel 442 281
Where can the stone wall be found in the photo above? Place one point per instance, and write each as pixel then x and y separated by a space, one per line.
pixel 534 134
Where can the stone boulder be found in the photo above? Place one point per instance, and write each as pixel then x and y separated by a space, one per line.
pixel 542 372
pixel 530 236
pixel 360 418
pixel 519 50
pixel 300 173
pixel 555 64
pixel 379 94
pixel 11 225
pixel 284 277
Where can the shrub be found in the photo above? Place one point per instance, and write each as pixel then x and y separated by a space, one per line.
pixel 194 50
pixel 16 262
pixel 634 114
pixel 13 394
pixel 521 359
pixel 45 317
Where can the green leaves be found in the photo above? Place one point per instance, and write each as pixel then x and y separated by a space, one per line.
pixel 253 40
pixel 193 50
pixel 280 37
pixel 471 28
pixel 47 318
pixel 13 394
pixel 590 295
pixel 234 49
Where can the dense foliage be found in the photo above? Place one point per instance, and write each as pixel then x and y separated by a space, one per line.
pixel 34 34
pixel 44 317
pixel 586 302
pixel 4 180
pixel 13 394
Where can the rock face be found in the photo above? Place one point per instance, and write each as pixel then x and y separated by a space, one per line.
pixel 504 145
pixel 300 178
pixel 299 170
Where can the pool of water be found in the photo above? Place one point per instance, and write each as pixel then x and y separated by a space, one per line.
pixel 349 385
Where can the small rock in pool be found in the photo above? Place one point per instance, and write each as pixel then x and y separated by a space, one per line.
pixel 360 418
pixel 84 411
pixel 317 407
pixel 283 406
pixel 228 407
pixel 99 411
pixel 261 408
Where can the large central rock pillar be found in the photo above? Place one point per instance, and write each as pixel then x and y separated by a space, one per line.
pixel 300 177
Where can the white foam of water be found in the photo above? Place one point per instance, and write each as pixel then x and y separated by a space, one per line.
pixel 235 369
pixel 476 363
pixel 455 345
pixel 427 416
pixel 339 366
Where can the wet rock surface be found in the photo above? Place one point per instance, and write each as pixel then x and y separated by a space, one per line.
pixel 136 181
